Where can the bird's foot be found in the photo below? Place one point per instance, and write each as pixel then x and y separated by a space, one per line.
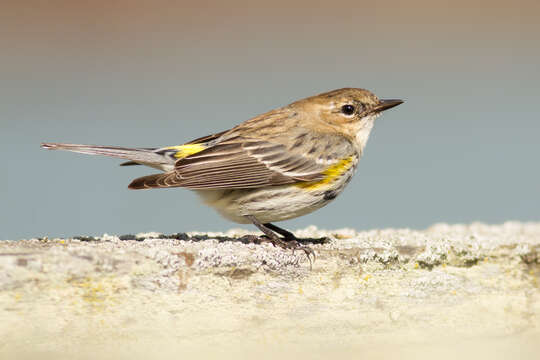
pixel 293 244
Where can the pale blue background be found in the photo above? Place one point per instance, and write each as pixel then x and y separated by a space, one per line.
pixel 464 147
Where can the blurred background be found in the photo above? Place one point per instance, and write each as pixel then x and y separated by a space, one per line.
pixel 464 147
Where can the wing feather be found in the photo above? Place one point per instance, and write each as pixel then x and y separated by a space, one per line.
pixel 236 159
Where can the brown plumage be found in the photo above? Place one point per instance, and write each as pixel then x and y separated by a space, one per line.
pixel 282 146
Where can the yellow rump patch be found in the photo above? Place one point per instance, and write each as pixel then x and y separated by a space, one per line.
pixel 183 151
pixel 330 174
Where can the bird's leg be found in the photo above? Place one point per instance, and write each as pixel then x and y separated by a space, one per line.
pixel 287 235
pixel 289 240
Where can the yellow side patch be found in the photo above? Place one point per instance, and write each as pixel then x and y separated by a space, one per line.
pixel 185 150
pixel 330 174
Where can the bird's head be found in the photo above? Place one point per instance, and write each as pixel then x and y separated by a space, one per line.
pixel 348 111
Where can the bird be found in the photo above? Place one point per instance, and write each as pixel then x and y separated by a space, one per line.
pixel 279 165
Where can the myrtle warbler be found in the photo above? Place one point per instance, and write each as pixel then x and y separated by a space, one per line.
pixel 279 165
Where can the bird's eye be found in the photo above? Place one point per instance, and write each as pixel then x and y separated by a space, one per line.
pixel 347 109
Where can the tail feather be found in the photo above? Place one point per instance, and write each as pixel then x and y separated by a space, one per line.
pixel 130 163
pixel 139 156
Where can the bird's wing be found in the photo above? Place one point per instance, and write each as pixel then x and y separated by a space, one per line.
pixel 248 162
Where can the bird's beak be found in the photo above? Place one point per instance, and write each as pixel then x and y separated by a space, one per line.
pixel 387 104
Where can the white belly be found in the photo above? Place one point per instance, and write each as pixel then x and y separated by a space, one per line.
pixel 274 203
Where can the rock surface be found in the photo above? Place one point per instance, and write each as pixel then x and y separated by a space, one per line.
pixel 467 290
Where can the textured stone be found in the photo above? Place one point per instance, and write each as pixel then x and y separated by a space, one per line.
pixel 385 293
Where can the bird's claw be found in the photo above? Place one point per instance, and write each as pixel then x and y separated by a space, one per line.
pixel 295 245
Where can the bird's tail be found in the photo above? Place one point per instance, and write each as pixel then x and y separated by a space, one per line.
pixel 150 157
